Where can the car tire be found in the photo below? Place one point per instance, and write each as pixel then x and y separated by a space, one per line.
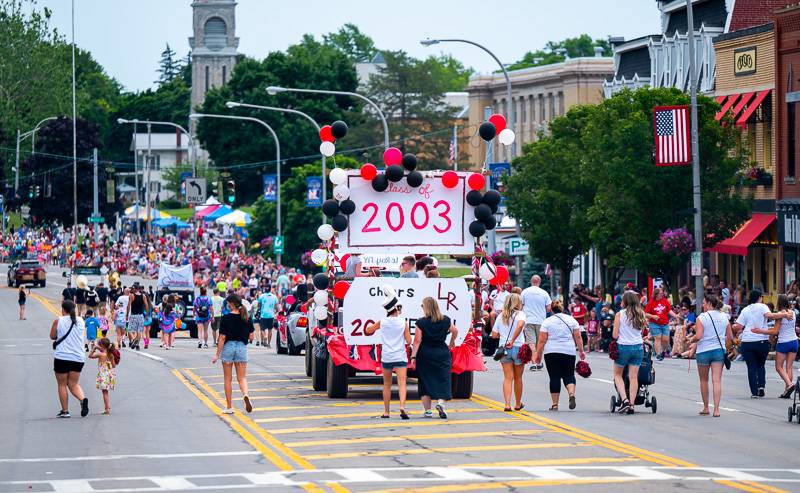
pixel 309 353
pixel 291 348
pixel 43 284
pixel 319 371
pixel 279 348
pixel 337 380
pixel 462 385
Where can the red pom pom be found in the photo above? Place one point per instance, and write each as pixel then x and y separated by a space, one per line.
pixel 368 171
pixel 500 277
pixel 450 179
pixel 476 181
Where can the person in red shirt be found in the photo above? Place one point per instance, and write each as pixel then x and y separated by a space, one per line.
pixel 578 311
pixel 658 311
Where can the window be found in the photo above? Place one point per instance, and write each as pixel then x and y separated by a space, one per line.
pixel 524 110
pixel 560 103
pixel 541 108
pixel 224 74
pixel 552 104
pixel 215 34
pixel 207 78
pixel 791 115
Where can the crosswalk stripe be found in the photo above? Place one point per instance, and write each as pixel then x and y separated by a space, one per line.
pixel 400 438
pixel 395 424
pixel 312 417
pixel 445 450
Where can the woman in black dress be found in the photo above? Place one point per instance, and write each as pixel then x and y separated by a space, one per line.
pixel 431 355
pixel 23 297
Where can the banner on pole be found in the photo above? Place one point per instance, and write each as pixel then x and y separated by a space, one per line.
pixel 497 180
pixel 270 188
pixel 314 191
pixel 110 198
pixel 175 277
pixel 672 135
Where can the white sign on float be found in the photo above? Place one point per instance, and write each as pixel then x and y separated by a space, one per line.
pixel 402 219
pixel 175 277
pixel 362 304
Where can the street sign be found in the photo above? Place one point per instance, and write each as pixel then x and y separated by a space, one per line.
pixel 277 246
pixel 96 219
pixel 517 247
pixel 110 186
pixel 697 264
pixel 25 211
pixel 195 191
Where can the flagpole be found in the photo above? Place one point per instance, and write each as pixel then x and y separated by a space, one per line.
pixel 698 224
pixel 455 147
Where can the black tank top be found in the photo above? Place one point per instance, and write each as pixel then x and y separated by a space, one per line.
pixel 137 305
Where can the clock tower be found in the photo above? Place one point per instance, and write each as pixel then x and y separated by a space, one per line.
pixel 213 46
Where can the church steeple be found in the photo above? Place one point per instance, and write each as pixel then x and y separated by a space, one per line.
pixel 213 46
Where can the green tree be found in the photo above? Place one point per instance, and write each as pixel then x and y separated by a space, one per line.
pixel 352 42
pixel 168 67
pixel 581 46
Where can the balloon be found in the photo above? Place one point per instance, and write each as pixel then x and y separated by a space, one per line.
pixel 347 207
pixel 321 281
pixel 410 162
pixel 394 173
pixel 450 179
pixel 506 137
pixel 325 232
pixel 498 120
pixel 392 156
pixel 299 279
pixel 338 129
pixel 325 134
pixel 490 223
pixel 474 198
pixel 487 270
pixel 477 229
pixel 340 289
pixel 491 197
pixel 483 212
pixel 487 131
pixel 476 181
pixel 321 312
pixel 339 223
pixel 330 208
pixel 368 171
pixel 380 183
pixel 321 297
pixel 341 192
pixel 327 149
pixel 319 256
pixel 290 300
pixel 304 308
pixel 337 176
pixel 501 277
pixel 414 179
pixel 495 208
pixel 343 261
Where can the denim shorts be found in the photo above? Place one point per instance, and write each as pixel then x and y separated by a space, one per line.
pixel 629 355
pixel 234 352
pixel 389 365
pixel 787 347
pixel 658 330
pixel 512 356
pixel 707 357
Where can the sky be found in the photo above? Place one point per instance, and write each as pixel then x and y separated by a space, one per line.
pixel 128 36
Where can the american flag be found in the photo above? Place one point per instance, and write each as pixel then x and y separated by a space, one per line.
pixel 672 138
pixel 452 158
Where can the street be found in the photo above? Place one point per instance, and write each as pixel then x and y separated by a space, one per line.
pixel 166 431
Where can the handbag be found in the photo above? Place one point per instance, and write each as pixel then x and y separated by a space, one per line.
pixel 61 339
pixel 501 350
pixel 726 361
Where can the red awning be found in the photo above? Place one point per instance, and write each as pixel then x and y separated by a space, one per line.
pixel 739 243
pixel 751 107
pixel 720 99
pixel 742 102
pixel 726 106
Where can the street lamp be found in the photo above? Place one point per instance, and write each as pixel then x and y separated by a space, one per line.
pixel 195 116
pixel 234 104
pixel 273 90
pixel 20 138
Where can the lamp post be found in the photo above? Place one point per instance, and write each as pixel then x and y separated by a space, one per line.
pixel 234 104
pixel 698 222
pixel 194 116
pixel 20 138
pixel 272 90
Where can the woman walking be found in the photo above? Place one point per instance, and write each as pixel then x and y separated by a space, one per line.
pixel 786 348
pixel 559 337
pixel 202 316
pixel 507 328
pixel 23 298
pixel 395 335
pixel 431 356
pixel 235 332
pixel 713 327
pixel 628 326
pixel 68 332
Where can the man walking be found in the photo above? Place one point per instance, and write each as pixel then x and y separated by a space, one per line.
pixel 535 304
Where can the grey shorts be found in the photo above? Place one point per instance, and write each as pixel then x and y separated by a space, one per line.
pixel 531 332
pixel 136 323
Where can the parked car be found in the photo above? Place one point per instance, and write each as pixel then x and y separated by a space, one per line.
pixel 291 337
pixel 27 272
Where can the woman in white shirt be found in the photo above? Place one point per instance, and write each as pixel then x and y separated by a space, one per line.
pixel 786 348
pixel 68 332
pixel 628 326
pixel 559 337
pixel 507 329
pixel 712 327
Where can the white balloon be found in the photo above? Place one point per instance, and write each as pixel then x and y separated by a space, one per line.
pixel 321 297
pixel 327 149
pixel 321 312
pixel 341 192
pixel 338 176
pixel 319 256
pixel 506 136
pixel 487 271
pixel 325 232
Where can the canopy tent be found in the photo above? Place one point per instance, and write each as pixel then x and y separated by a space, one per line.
pixel 223 210
pixel 169 222
pixel 237 218
pixel 206 210
pixel 130 213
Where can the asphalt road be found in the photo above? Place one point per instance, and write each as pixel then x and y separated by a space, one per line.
pixel 166 432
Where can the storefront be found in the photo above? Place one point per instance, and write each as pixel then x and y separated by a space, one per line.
pixel 789 237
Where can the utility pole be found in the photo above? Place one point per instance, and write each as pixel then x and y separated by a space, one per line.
pixel 149 165
pixel 16 169
pixel 96 210
pixel 136 182
pixel 698 223
pixel 74 133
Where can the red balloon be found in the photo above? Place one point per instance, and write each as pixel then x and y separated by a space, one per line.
pixel 299 279
pixel 500 276
pixel 340 289
pixel 499 121
pixel 450 179
pixel 368 171
pixel 326 134
pixel 343 261
pixel 304 308
pixel 392 156
pixel 476 181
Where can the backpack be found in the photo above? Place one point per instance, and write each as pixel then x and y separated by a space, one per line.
pixel 116 354
pixel 202 308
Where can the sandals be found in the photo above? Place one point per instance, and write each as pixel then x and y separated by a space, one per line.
pixel 554 407
pixel 247 405
pixel 520 408
pixel 403 414
pixel 572 403
pixel 507 410
pixel 384 416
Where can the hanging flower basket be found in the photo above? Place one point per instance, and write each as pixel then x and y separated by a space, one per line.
pixel 755 176
pixel 502 258
pixel 678 241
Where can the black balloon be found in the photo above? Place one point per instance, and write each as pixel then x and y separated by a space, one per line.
pixel 414 179
pixel 338 129
pixel 394 173
pixel 487 131
pixel 321 281
pixel 483 212
pixel 477 229
pixel 495 208
pixel 410 162
pixel 474 198
pixel 330 208
pixel 347 207
pixel 380 183
pixel 492 197
pixel 490 223
pixel 339 223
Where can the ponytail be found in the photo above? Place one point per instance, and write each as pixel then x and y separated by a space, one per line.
pixel 234 300
pixel 69 308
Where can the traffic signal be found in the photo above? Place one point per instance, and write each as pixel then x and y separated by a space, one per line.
pixel 30 192
pixel 37 191
pixel 231 191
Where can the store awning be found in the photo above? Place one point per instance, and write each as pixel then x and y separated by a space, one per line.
pixel 751 107
pixel 747 234
pixel 726 106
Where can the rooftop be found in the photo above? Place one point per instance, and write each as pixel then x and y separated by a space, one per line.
pixel 161 142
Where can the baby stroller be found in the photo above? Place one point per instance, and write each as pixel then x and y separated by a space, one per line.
pixel 794 410
pixel 647 377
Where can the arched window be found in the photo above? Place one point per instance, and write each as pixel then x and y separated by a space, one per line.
pixel 215 34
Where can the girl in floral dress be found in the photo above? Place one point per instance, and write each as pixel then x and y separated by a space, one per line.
pixel 106 355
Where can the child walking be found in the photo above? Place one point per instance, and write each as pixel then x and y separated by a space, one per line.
pixel 107 357
pixel 103 321
pixel 593 330
pixel 166 321
pixel 92 329
pixel 120 322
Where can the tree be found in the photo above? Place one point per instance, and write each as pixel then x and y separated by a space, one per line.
pixel 168 66
pixel 352 42
pixel 581 46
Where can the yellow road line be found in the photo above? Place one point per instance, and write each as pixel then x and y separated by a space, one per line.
pixel 311 417
pixel 763 487
pixel 325 406
pixel 278 389
pixel 504 485
pixel 431 436
pixel 395 424
pixel 266 380
pixel 48 305
pixel 552 462
pixel 447 450
pixel 254 374
pixel 290 396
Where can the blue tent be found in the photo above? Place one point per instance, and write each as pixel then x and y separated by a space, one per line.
pixel 222 211
pixel 169 222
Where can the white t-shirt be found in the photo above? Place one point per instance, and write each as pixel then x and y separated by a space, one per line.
pixel 393 342
pixel 628 334
pixel 786 333
pixel 534 302
pixel 559 329
pixel 752 316
pixel 499 299
pixel 71 348
pixel 505 330
pixel 709 340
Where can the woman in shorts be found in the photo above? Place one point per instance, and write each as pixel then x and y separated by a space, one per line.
pixel 235 333
pixel 68 332
pixel 628 326
pixel 507 329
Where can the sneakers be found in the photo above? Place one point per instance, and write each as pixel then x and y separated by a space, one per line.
pixel 536 367
pixel 84 407
pixel 440 410
pixel 660 357
pixel 428 414
pixel 227 411
pixel 199 345
pixel 761 392
pixel 63 414
pixel 258 343
pixel 205 346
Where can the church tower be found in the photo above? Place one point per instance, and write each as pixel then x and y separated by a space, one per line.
pixel 213 46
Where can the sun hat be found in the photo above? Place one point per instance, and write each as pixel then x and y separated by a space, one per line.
pixel 390 300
